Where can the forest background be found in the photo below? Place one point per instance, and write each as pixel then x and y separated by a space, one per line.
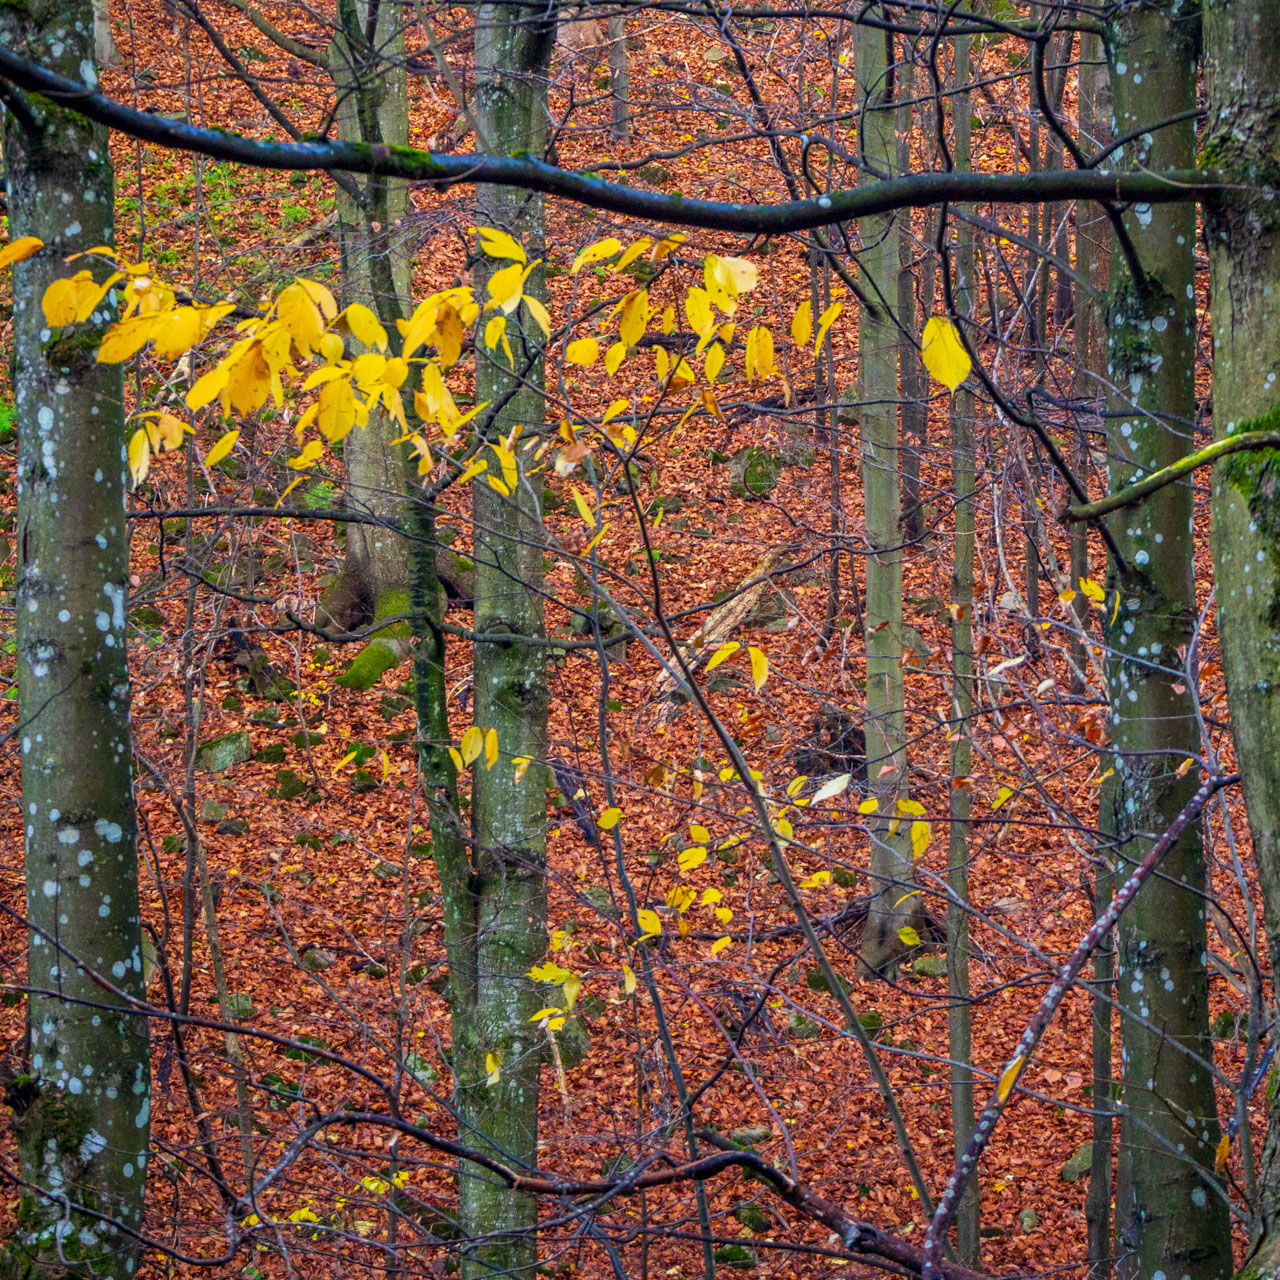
pixel 626 732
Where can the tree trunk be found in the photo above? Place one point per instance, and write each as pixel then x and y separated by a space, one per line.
pixel 960 1014
pixel 513 51
pixel 893 906
pixel 1242 47
pixel 619 79
pixel 1167 1217
pixel 82 1104
pixel 370 83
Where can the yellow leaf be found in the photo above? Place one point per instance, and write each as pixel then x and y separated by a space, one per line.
pixel 609 818
pixel 499 486
pixel 1003 796
pixel 20 250
pixel 802 324
pixel 724 914
pixel 175 331
pixel 346 760
pixel 631 254
pixel 498 244
pixel 759 667
pixel 722 652
pixel 635 318
pixel 541 316
pixel 710 897
pixel 944 354
pixel 699 833
pixel 613 410
pixel 692 858
pixel 491 748
pixel 909 936
pixel 719 945
pixel 1066 595
pixel 139 456
pixel 1092 590
pixel 920 835
pixel 571 986
pixel 312 454
pixel 650 925
pixel 321 297
pixel 628 980
pixel 365 326
pixel 495 331
pixel 869 805
pixel 473 470
pixel 457 759
pixel 586 351
pixel 506 287
pixel 493 1069
pixel 1223 1153
pixel 301 317
pixel 614 357
pixel 472 744
pixel 1009 1078
pixel 819 880
pixel 714 362
pixel 697 307
pixel 584 509
pixel 125 339
pixel 825 321
pixel 522 764
pixel 221 449
pixel 829 790
pixel 597 252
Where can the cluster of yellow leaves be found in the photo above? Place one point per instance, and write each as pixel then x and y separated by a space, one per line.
pixel 474 742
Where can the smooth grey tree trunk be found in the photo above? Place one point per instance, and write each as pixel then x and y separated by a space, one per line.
pixel 82 1103
pixel 1167 1216
pixel 963 406
pixel 893 905
pixel 508 873
pixel 371 85
pixel 1242 72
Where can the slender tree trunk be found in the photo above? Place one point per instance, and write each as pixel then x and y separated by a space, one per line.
pixel 911 375
pixel 960 1014
pixel 82 1104
pixel 1166 1216
pixel 619 78
pixel 1242 72
pixel 508 880
pixel 893 905
pixel 371 88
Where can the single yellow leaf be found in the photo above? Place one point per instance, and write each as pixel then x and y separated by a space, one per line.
pixel 614 357
pixel 869 805
pixel 221 449
pixel 802 324
pixel 628 980
pixel 593 253
pixel 493 1068
pixel 920 835
pixel 759 667
pixel 1223 1153
pixel 722 652
pixel 571 986
pixel 522 764
pixel 909 936
pixel 719 945
pixel 139 456
pixel 650 925
pixel 585 351
pixel 825 321
pixel 20 250
pixel 365 326
pixel 829 790
pixel 714 362
pixel 310 455
pixel 207 388
pixel 1092 590
pixel 693 857
pixel 498 244
pixel 1003 796
pixel 346 760
pixel 491 748
pixel 1009 1078
pixel 699 833
pixel 609 818
pixel 472 744
pixel 631 254
pixel 944 354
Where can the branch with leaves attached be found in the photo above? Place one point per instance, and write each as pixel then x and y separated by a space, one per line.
pixel 967 1166
pixel 1242 442
pixel 523 171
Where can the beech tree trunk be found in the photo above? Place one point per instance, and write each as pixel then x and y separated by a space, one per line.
pixel 507 882
pixel 893 906
pixel 1242 74
pixel 1167 1216
pixel 82 1101
pixel 371 86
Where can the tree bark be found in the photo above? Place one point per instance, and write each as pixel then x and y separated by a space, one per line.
pixel 1167 1216
pixel 1242 74
pixel 893 905
pixel 371 86
pixel 512 56
pixel 82 1103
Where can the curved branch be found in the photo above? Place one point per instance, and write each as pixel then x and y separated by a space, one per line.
pixel 914 191
pixel 1132 493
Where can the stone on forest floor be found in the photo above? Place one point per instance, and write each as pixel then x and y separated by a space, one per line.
pixel 1029 1218
pixel 225 752
pixel 1079 1164
pixel 930 966
pixel 212 811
